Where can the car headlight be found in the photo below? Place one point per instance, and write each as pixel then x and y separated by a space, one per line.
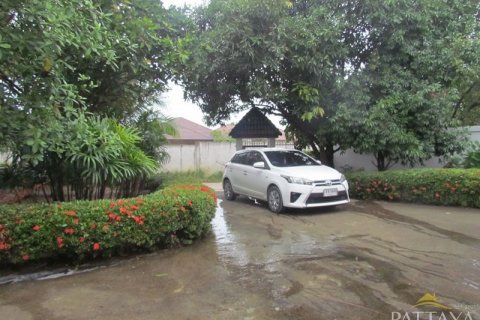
pixel 297 180
pixel 342 179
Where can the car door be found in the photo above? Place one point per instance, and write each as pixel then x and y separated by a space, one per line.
pixel 255 178
pixel 236 172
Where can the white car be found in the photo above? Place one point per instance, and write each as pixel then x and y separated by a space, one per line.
pixel 283 178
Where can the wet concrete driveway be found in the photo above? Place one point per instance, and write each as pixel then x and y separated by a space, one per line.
pixel 362 261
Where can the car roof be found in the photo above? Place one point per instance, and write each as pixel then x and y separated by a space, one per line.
pixel 265 149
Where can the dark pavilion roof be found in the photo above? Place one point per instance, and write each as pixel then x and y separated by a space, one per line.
pixel 255 125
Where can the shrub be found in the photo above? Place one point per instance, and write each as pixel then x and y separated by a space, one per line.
pixel 452 187
pixel 472 158
pixel 88 229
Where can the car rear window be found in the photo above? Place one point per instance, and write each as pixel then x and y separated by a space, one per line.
pixel 290 159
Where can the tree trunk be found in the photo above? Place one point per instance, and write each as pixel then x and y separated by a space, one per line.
pixel 326 155
pixel 56 179
pixel 380 157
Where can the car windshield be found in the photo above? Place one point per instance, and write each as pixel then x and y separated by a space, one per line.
pixel 290 158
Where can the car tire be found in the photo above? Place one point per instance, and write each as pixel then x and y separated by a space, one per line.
pixel 228 190
pixel 274 199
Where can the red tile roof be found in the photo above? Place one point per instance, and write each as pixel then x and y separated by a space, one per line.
pixel 188 130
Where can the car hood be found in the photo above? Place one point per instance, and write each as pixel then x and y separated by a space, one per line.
pixel 313 173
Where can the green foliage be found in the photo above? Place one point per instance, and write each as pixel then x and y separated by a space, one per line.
pixel 61 61
pixel 153 127
pixel 381 77
pixel 86 155
pixel 449 187
pixel 410 84
pixel 89 229
pixel 472 159
pixel 219 136
pixel 263 53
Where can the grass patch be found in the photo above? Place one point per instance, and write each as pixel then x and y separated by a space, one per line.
pixel 199 176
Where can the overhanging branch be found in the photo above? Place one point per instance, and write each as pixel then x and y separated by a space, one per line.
pixel 10 84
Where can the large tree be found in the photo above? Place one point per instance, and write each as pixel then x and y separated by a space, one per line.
pixel 420 68
pixel 308 60
pixel 281 57
pixel 61 61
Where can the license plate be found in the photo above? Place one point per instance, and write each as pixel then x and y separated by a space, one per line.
pixel 330 192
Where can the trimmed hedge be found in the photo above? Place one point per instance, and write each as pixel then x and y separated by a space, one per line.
pixel 449 187
pixel 81 230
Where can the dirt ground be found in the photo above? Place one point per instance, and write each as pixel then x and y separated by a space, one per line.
pixel 360 261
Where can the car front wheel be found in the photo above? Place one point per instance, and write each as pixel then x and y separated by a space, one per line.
pixel 275 202
pixel 228 190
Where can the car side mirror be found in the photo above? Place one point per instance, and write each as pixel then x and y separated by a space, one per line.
pixel 259 165
pixel 318 161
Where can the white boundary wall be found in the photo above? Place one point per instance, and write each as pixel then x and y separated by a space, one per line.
pixel 212 156
pixel 208 156
pixel 350 159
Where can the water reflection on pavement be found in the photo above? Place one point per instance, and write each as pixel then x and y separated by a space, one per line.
pixel 362 261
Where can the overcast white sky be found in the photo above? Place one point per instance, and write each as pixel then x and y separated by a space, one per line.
pixel 175 105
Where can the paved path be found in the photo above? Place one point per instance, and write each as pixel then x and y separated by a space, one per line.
pixel 217 186
pixel 363 261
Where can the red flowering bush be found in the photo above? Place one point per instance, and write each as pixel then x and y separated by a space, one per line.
pixel 449 187
pixel 87 229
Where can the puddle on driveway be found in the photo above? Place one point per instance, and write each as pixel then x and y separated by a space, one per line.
pixel 339 264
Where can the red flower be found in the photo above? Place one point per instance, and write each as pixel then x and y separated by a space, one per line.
pixel 76 221
pixel 205 189
pixel 71 213
pixel 69 230
pixel 112 216
pixel 25 257
pixel 136 218
pixel 437 195
pixel 4 246
pixel 189 203
pixel 123 210
pixel 36 228
pixel 134 207
pixel 60 242
pixel 118 218
pixel 129 213
pixel 96 246
pixel 112 205
pixel 140 222
pixel 139 201
pixel 81 239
